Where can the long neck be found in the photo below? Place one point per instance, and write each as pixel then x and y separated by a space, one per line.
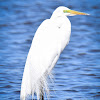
pixel 63 26
pixel 59 20
pixel 56 14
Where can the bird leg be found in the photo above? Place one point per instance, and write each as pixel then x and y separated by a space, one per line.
pixel 41 95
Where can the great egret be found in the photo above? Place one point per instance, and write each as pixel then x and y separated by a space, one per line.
pixel 49 41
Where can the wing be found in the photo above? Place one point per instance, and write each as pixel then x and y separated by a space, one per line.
pixel 44 48
pixel 43 54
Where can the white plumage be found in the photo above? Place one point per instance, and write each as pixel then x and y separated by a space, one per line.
pixel 49 41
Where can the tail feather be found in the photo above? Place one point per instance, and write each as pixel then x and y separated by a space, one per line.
pixel 26 84
pixel 31 87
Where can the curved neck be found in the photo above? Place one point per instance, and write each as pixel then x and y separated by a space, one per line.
pixel 58 19
pixel 56 14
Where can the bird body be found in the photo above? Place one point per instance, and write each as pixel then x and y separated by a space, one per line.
pixel 50 39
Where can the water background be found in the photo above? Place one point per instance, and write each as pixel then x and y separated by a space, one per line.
pixel 77 73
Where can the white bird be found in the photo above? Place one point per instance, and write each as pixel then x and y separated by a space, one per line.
pixel 49 41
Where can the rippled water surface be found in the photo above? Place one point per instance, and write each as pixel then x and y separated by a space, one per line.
pixel 77 73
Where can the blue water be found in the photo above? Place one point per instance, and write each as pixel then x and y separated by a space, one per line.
pixel 77 73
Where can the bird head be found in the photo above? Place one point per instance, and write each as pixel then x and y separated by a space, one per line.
pixel 67 12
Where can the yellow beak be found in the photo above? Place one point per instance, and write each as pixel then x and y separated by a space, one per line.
pixel 74 12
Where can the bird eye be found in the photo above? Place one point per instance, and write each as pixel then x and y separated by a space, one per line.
pixel 65 11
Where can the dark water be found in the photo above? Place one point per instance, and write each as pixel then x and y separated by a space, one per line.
pixel 77 73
